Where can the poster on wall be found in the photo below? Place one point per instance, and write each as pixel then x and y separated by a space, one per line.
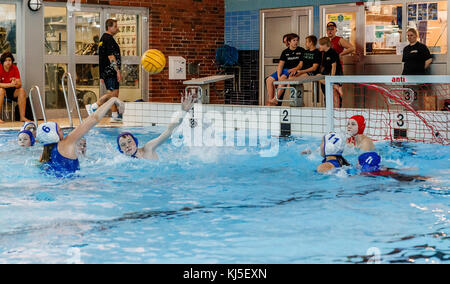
pixel 432 11
pixel 423 27
pixel 412 12
pixel 422 12
pixel 343 23
pixel 379 34
pixel 370 33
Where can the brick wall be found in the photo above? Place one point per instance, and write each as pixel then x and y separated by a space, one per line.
pixel 193 29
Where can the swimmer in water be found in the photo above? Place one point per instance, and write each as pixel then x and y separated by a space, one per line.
pixel 30 126
pixel 369 163
pixel 355 129
pixel 60 153
pixel 25 139
pixel 127 143
pixel 331 149
pixel 27 135
pixel 81 147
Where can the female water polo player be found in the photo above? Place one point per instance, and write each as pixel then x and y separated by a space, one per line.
pixel 331 149
pixel 30 126
pixel 369 164
pixel 25 139
pixel 355 129
pixel 60 154
pixel 27 135
pixel 128 144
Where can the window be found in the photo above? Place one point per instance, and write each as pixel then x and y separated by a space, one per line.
pixel 130 89
pixel 127 38
pixel 87 83
pixel 8 28
pixel 87 33
pixel 430 20
pixel 54 96
pixel 383 28
pixel 55 29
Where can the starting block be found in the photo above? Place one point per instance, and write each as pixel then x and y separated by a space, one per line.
pixel 295 86
pixel 202 86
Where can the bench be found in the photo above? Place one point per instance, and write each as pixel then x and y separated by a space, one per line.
pixel 295 86
pixel 202 86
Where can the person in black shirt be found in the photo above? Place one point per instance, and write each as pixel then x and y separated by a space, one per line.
pixel 331 65
pixel 110 65
pixel 416 56
pixel 288 66
pixel 311 59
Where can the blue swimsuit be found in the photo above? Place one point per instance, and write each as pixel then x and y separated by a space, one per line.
pixel 61 166
pixel 336 163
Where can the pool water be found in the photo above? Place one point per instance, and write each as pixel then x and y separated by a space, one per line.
pixel 222 205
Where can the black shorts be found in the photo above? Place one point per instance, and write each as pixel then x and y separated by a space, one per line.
pixel 111 84
pixel 10 94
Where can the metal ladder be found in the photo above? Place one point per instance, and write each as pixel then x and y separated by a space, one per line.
pixel 70 80
pixel 30 96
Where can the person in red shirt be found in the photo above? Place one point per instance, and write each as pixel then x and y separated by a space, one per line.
pixel 340 44
pixel 11 85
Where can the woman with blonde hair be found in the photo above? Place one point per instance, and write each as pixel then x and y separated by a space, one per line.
pixel 416 56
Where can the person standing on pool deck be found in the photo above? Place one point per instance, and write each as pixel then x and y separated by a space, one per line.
pixel 11 85
pixel 340 44
pixel 110 65
pixel 60 153
pixel 416 56
pixel 289 61
pixel 128 144
pixel 331 66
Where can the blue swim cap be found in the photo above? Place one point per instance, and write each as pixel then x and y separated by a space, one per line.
pixel 132 136
pixel 369 162
pixel 28 132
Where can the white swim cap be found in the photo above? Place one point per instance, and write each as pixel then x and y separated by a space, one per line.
pixel 334 144
pixel 47 133
pixel 25 125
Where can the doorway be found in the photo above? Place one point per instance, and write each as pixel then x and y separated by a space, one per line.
pixel 348 18
pixel 71 39
pixel 274 24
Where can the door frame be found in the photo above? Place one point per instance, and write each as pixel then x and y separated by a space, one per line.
pixel 357 58
pixel 295 11
pixel 71 59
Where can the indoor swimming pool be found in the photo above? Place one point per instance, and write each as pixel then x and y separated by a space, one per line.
pixel 222 205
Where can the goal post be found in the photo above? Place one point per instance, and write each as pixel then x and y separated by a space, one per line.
pixel 396 108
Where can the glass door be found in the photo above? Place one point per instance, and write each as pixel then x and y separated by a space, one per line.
pixel 10 32
pixel 87 28
pixel 8 22
pixel 71 45
pixel 56 57
pixel 130 38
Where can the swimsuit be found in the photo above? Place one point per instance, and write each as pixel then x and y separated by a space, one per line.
pixel 61 166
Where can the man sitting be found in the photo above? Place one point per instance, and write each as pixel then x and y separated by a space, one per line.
pixel 11 85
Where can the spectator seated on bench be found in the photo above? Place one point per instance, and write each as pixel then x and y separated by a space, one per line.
pixel 11 85
pixel 288 65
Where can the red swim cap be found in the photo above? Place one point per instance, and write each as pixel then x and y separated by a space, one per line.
pixel 361 123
